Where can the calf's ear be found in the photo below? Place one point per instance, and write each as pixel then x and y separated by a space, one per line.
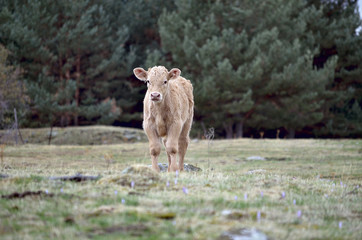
pixel 174 73
pixel 140 73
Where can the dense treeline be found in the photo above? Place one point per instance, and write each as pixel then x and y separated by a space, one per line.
pixel 279 67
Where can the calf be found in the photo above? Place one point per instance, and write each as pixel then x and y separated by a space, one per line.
pixel 168 110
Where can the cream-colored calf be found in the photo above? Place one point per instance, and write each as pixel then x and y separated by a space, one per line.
pixel 168 110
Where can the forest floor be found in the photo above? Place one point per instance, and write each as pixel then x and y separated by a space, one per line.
pixel 298 189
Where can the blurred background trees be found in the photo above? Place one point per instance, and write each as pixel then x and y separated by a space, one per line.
pixel 12 91
pixel 286 66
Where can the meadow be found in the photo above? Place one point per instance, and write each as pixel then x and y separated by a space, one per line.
pixel 289 189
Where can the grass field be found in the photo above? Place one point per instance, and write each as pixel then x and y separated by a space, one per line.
pixel 305 189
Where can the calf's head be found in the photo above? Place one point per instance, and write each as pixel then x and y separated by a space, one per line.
pixel 157 79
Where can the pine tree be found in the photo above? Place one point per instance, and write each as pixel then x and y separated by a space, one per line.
pixel 250 63
pixel 140 18
pixel 51 100
pixel 11 91
pixel 293 91
pixel 70 45
pixel 340 37
pixel 94 44
pixel 92 56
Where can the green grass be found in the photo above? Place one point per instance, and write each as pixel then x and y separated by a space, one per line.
pixel 320 178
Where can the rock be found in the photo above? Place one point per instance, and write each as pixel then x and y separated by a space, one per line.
pixel 4 176
pixel 136 176
pixel 256 171
pixel 191 168
pixel 258 158
pixel 163 167
pixel 54 134
pixel 235 215
pixel 226 212
pixel 243 234
pixel 278 159
pixel 76 178
pixel 131 136
pixel 187 167
pixel 139 169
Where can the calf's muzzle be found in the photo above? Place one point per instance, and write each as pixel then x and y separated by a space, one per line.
pixel 155 96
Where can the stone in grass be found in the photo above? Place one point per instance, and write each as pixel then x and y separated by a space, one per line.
pixel 255 171
pixel 257 158
pixel 235 215
pixel 260 158
pixel 187 167
pixel 243 234
pixel 131 136
pixel 141 176
pixel 191 168
pixel 76 178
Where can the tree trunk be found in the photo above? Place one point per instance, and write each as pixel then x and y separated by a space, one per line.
pixel 77 89
pixel 291 133
pixel 17 129
pixel 67 117
pixel 60 63
pixel 229 130
pixel 203 129
pixel 50 135
pixel 239 129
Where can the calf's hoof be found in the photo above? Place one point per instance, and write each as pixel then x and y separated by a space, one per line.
pixel 173 168
pixel 156 168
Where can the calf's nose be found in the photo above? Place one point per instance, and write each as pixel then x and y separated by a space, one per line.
pixel 155 95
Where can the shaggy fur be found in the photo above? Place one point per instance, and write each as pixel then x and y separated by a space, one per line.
pixel 167 113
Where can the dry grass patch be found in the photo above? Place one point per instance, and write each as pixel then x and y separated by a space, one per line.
pixel 305 189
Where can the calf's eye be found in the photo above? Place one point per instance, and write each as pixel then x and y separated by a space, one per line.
pixel 165 81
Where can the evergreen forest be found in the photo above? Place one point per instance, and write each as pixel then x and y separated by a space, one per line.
pixel 271 68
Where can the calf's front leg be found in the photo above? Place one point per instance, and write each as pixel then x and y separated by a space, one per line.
pixel 168 155
pixel 155 147
pixel 172 145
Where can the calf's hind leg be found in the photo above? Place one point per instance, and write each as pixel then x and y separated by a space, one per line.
pixel 182 148
pixel 183 143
